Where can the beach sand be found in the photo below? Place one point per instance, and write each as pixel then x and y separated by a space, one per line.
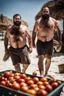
pixel 53 70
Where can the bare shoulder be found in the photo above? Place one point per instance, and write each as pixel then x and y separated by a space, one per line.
pixel 54 20
pixel 23 28
pixel 38 21
pixel 9 29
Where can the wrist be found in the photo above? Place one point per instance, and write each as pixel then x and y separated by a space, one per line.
pixel 30 47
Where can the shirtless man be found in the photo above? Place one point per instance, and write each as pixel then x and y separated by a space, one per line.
pixel 17 34
pixel 44 28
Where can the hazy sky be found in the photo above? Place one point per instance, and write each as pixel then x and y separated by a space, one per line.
pixel 26 8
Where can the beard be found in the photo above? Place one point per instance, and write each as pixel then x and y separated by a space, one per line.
pixel 17 23
pixel 45 17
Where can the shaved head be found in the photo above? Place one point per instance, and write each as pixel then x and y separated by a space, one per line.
pixel 45 10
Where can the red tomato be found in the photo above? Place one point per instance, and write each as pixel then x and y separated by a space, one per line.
pixel 7 74
pixel 23 76
pixel 51 80
pixel 42 93
pixel 36 88
pixel 8 84
pixel 12 75
pixel 17 74
pixel 3 79
pixel 3 83
pixel 30 82
pixel 23 84
pixel 31 91
pixel 35 79
pixel 24 88
pixel 16 86
pixel 20 80
pixel 43 79
pixel 10 78
pixel 49 88
pixel 33 86
pixel 34 73
pixel 59 82
pixel 16 77
pixel 39 83
pixel 45 83
pixel 41 87
pixel 54 85
pixel 27 79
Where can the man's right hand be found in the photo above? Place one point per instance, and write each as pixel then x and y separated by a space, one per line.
pixel 6 55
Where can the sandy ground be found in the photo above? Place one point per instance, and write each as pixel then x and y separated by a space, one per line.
pixel 53 70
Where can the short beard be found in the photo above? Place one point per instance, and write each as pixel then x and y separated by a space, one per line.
pixel 44 21
pixel 45 17
pixel 17 23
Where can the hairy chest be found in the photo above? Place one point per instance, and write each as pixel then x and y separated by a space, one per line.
pixel 45 26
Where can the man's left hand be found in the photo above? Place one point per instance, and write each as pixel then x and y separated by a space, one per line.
pixel 30 50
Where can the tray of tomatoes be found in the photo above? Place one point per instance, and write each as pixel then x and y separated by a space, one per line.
pixel 13 83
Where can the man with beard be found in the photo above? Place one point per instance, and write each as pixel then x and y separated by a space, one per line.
pixel 44 29
pixel 17 34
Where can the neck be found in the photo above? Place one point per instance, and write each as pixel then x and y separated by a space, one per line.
pixel 46 20
pixel 16 26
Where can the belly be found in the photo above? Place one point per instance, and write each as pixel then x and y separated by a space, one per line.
pixel 18 44
pixel 47 36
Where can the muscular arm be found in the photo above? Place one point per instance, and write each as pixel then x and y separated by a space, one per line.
pixel 34 35
pixel 59 32
pixel 29 38
pixel 6 41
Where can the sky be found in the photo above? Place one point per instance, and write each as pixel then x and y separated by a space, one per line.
pixel 26 8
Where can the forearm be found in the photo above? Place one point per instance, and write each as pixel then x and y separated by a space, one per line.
pixel 33 37
pixel 6 43
pixel 58 31
pixel 30 42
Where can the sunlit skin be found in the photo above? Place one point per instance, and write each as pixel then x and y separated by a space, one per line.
pixel 44 30
pixel 24 32
pixel 18 41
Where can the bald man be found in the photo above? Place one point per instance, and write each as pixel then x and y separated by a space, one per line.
pixel 44 30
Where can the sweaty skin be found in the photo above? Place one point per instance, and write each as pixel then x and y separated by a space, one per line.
pixel 20 40
pixel 44 30
pixel 45 33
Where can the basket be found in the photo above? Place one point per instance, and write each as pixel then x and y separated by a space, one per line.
pixel 61 68
pixel 5 91
pixel 57 91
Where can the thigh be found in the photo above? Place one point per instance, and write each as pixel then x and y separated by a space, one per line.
pixel 25 56
pixel 40 48
pixel 49 47
pixel 14 56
